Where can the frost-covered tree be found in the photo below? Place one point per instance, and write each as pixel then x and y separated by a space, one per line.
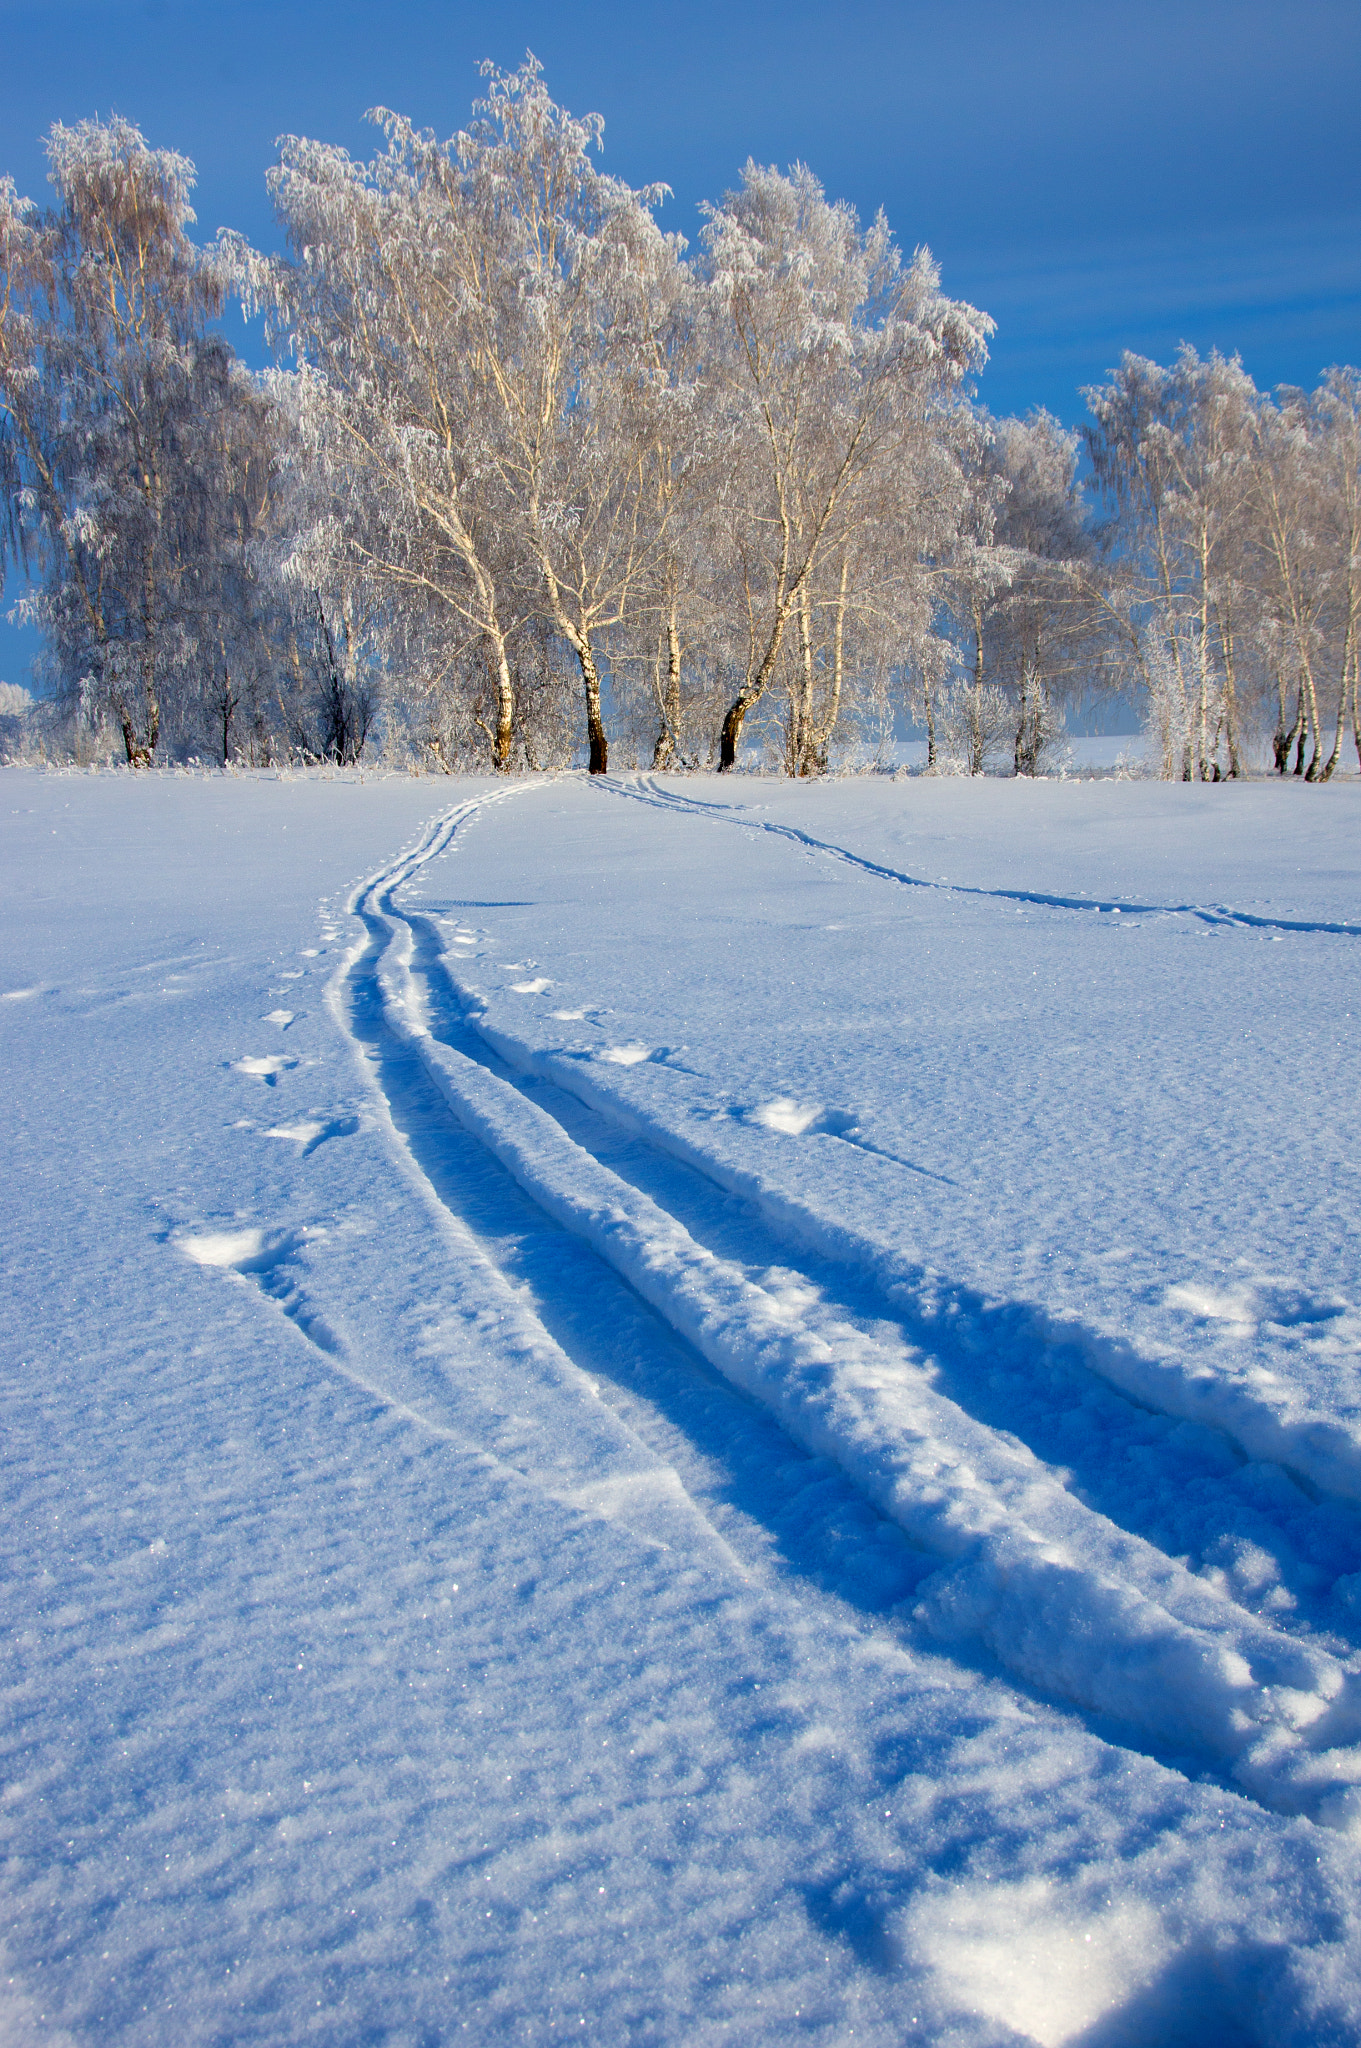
pixel 1016 586
pixel 1337 415
pixel 389 407
pixel 1304 540
pixel 137 452
pixel 1170 451
pixel 1233 556
pixel 531 473
pixel 667 640
pixel 578 284
pixel 973 716
pixel 1043 645
pixel 828 366
pixel 480 317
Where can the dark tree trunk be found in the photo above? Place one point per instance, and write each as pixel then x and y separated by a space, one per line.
pixel 590 678
pixel 730 738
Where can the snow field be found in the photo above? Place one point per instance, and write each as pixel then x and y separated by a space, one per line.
pixel 416 1634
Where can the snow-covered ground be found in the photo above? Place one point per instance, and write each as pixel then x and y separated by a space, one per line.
pixel 669 1411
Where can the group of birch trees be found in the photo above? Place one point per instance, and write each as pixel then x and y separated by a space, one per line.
pixel 532 481
pixel 1234 545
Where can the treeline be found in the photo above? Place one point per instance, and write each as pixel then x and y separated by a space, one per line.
pixel 532 483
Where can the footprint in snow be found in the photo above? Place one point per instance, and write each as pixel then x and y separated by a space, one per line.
pixel 1249 1304
pixel 811 1119
pixel 531 988
pixel 793 1119
pixel 567 1016
pixel 624 1055
pixel 223 1247
pixel 310 1132
pixel 266 1256
pixel 283 1018
pixel 267 1067
pixel 244 1251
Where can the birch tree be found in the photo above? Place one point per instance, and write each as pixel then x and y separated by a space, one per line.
pixel 1337 409
pixel 1042 628
pixel 1171 452
pixel 136 450
pixel 478 312
pixel 828 359
pixel 381 306
pixel 975 715
pixel 575 273
pixel 1306 536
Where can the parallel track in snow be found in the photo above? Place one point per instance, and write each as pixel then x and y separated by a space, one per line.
pixel 1320 1452
pixel 1090 1614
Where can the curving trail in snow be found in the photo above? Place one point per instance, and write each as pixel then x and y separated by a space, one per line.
pixel 1262 1417
pixel 1086 1611
pixel 649 789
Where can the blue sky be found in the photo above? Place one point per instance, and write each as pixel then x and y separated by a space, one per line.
pixel 1096 177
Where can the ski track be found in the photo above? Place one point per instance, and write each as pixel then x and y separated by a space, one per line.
pixel 1319 1452
pixel 606 1470
pixel 1016 1564
pixel 648 790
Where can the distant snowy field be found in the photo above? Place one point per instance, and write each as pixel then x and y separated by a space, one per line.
pixel 680 1411
pixel 1080 753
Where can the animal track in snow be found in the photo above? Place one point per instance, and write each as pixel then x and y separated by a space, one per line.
pixel 567 1016
pixel 263 1256
pixel 797 1118
pixel 531 988
pixel 809 1119
pixel 283 1018
pixel 1027 1957
pixel 624 1055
